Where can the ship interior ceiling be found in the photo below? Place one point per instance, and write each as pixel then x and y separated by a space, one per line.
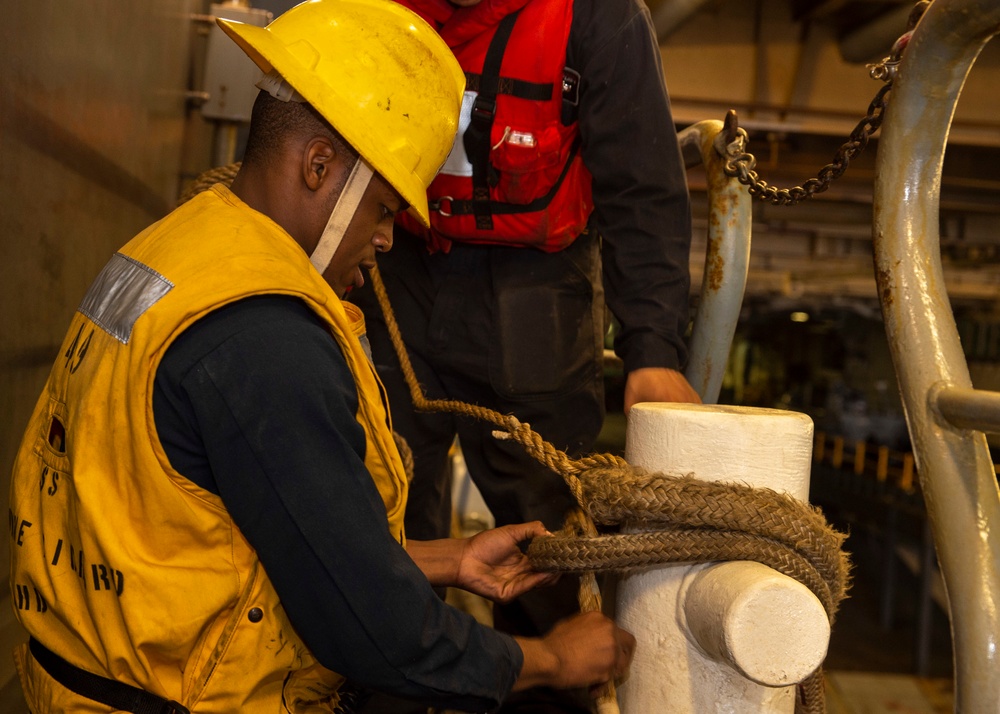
pixel 102 128
pixel 799 83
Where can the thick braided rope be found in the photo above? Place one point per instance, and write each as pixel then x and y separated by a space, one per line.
pixel 811 694
pixel 405 453
pixel 589 598
pixel 612 492
pixel 626 552
pixel 763 526
pixel 672 502
pixel 222 174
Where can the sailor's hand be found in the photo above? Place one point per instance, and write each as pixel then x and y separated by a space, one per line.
pixel 658 384
pixel 494 566
pixel 586 650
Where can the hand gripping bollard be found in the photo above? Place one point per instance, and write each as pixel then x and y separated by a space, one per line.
pixel 730 637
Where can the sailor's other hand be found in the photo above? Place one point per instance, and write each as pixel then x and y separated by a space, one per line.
pixel 658 384
pixel 585 650
pixel 494 566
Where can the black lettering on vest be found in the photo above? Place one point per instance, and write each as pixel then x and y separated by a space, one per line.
pixel 19 538
pixel 74 357
pixel 76 561
pixel 82 353
pixel 24 599
pixel 16 527
pixel 71 350
pixel 40 604
pixel 52 477
pixel 103 577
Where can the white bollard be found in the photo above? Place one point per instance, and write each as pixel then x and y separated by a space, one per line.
pixel 732 637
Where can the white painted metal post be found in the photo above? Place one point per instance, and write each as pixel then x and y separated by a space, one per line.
pixel 723 637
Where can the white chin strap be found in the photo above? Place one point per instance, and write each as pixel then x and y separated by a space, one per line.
pixel 340 217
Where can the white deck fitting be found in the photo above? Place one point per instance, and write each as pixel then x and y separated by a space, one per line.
pixel 724 637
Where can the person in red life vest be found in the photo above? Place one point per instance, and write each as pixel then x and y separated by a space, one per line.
pixel 565 191
pixel 208 500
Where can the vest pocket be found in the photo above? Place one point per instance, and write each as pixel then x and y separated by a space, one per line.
pixel 528 162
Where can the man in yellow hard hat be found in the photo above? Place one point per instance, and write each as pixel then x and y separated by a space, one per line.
pixel 207 506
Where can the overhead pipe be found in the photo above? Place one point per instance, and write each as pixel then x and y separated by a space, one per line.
pixel 872 41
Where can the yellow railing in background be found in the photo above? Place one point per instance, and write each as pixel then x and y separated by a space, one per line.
pixel 885 465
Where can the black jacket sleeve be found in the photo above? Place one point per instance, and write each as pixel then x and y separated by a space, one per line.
pixel 255 402
pixel 641 202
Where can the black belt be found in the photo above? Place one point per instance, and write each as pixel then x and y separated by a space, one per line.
pixel 116 695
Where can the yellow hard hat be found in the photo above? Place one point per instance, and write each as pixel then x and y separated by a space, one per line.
pixel 378 73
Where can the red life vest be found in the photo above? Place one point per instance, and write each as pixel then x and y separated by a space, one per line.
pixel 515 176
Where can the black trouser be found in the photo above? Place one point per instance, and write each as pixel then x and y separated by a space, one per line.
pixel 512 329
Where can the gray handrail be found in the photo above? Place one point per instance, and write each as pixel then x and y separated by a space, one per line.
pixel 727 259
pixel 953 460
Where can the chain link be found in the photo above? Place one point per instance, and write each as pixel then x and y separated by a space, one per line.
pixel 742 165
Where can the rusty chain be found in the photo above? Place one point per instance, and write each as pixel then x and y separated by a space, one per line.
pixel 742 165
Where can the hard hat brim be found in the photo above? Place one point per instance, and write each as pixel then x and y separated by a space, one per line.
pixel 268 53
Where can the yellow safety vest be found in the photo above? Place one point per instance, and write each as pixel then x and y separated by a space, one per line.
pixel 119 564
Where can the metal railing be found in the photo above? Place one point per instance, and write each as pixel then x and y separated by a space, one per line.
pixel 727 253
pixel 945 415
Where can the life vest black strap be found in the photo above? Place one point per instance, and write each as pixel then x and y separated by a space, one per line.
pixel 465 207
pixel 520 88
pixel 477 135
pixel 117 695
pixel 537 91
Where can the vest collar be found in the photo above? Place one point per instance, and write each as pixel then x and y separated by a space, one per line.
pixel 460 24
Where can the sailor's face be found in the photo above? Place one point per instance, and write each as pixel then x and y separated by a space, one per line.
pixel 369 232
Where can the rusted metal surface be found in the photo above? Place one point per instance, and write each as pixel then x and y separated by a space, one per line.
pixel 953 461
pixel 727 257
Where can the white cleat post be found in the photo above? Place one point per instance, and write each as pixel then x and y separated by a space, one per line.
pixel 730 637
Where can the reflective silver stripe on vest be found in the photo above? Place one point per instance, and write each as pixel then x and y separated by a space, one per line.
pixel 123 291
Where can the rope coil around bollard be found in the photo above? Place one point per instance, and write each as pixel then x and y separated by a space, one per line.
pixel 698 521
pixel 679 519
pixel 683 519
